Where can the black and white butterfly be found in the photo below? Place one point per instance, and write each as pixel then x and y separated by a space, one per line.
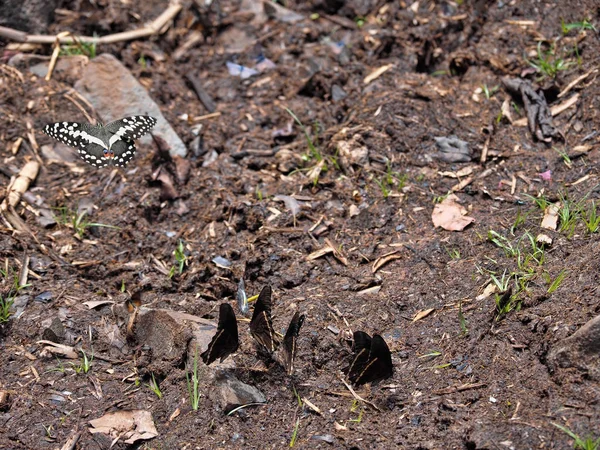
pixel 225 341
pixel 102 145
pixel 288 351
pixel 261 324
pixel 372 360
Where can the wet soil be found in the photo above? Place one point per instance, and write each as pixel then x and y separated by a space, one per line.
pixel 465 376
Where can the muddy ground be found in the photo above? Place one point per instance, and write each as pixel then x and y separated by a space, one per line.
pixel 466 375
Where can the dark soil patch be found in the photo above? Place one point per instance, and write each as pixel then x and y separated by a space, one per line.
pixel 481 382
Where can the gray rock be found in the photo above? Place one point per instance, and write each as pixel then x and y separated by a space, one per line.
pixel 580 350
pixel 231 393
pixel 452 150
pixel 67 68
pixel 55 332
pixel 32 16
pixel 337 93
pixel 167 339
pixel 115 93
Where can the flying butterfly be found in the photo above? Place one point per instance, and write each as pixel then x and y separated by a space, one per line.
pixel 372 360
pixel 102 145
pixel 261 324
pixel 288 351
pixel 225 341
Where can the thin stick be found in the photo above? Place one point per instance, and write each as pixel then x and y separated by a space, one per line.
pixel 358 397
pixel 153 28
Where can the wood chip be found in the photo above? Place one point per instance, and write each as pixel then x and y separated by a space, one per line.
pixel 422 314
pixel 377 73
pixel 311 405
pixel 550 220
pixel 174 415
pixel 339 426
pixel 371 290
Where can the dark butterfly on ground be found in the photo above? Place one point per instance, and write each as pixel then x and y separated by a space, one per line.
pixel 225 341
pixel 261 325
pixel 102 145
pixel 288 351
pixel 372 360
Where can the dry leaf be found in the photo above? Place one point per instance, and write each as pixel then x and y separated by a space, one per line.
pixel 489 290
pixel 131 425
pixel 450 215
pixel 422 314
pixel 382 260
pixel 95 303
pixel 543 239
pixel 58 349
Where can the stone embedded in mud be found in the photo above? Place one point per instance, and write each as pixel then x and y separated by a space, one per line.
pixel 167 338
pixel 580 350
pixel 115 93
pixel 55 332
pixel 232 393
pixel 452 150
pixel 32 16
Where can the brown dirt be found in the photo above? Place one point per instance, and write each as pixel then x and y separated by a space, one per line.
pixel 441 54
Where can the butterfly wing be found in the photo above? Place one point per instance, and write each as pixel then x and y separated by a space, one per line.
pixel 225 341
pixel 379 365
pixel 362 348
pixel 261 325
pixel 289 342
pixel 123 150
pixel 129 128
pixel 82 136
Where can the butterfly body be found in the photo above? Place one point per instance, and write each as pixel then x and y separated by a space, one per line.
pixel 261 324
pixel 372 360
pixel 101 145
pixel 225 341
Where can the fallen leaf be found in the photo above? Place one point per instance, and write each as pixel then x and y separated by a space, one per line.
pixel 450 215
pixel 489 290
pixel 543 239
pixel 337 252
pixel 382 260
pixel 95 303
pixel 422 314
pixel 131 425
pixel 58 349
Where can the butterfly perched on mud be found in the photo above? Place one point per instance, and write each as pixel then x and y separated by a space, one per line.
pixel 102 145
pixel 372 360
pixel 288 351
pixel 225 341
pixel 261 324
